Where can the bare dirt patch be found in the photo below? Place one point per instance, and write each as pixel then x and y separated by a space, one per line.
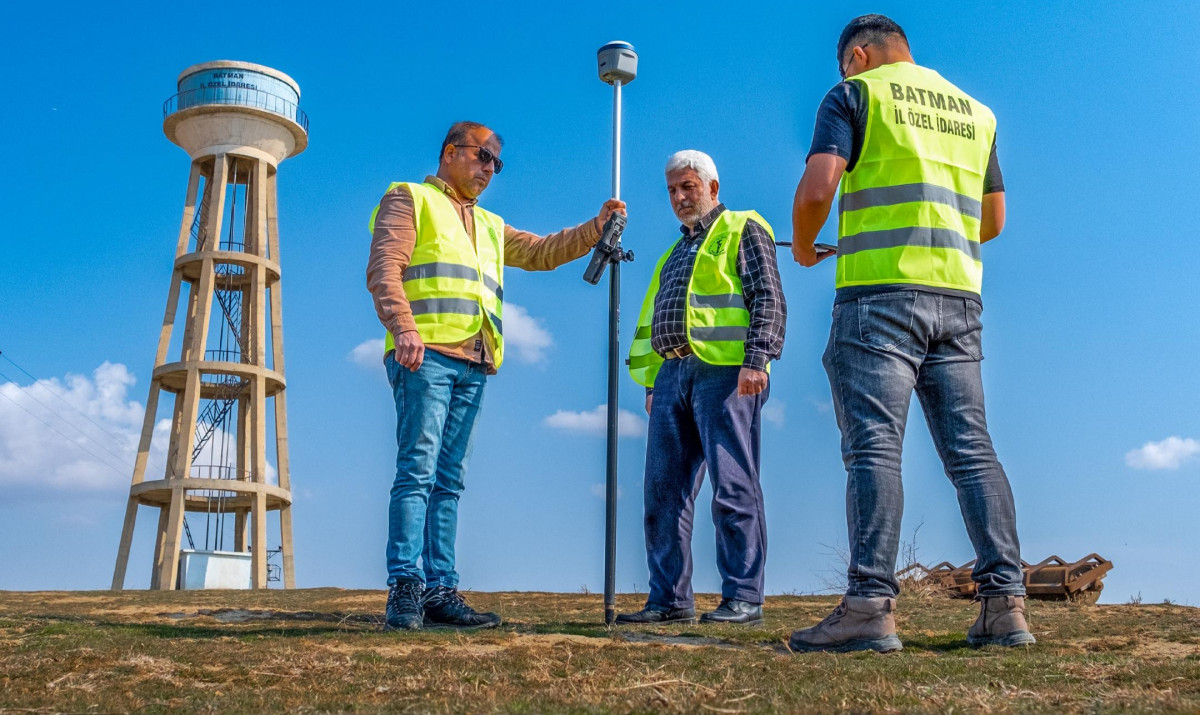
pixel 1166 649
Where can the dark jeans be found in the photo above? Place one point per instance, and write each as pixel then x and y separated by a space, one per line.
pixel 881 348
pixel 697 419
pixel 436 407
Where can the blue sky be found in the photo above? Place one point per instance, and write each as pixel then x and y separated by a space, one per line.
pixel 1089 294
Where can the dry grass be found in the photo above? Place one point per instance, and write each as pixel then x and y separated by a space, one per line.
pixel 321 650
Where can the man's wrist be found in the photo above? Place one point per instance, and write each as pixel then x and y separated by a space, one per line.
pixel 756 361
pixel 402 324
pixel 596 230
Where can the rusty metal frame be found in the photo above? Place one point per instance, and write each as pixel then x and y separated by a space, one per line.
pixel 1053 578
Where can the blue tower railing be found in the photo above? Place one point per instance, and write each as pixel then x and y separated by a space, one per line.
pixel 238 96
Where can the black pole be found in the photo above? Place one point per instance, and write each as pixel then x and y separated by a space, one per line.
pixel 610 481
pixel 617 63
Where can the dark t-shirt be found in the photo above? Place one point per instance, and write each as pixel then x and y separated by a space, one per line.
pixel 840 127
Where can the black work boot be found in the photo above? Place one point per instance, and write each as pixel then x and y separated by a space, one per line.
pixel 445 608
pixel 657 615
pixel 732 610
pixel 403 607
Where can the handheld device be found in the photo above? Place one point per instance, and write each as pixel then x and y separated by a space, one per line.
pixel 821 247
pixel 606 250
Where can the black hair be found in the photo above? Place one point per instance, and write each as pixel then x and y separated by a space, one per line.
pixel 868 30
pixel 458 133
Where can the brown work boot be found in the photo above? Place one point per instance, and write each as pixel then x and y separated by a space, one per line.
pixel 858 623
pixel 1001 622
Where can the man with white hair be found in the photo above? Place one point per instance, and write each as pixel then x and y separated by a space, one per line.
pixel 713 319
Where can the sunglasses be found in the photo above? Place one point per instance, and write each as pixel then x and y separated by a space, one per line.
pixel 484 155
pixel 844 68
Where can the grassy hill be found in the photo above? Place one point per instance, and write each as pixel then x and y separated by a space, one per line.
pixel 322 650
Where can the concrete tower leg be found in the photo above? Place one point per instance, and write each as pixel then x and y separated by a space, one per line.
pixel 160 542
pixel 271 221
pixel 168 570
pixel 118 582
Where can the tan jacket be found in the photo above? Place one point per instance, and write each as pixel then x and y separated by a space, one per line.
pixel 392 245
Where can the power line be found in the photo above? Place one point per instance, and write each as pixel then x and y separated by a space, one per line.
pixel 64 419
pixel 60 434
pixel 74 426
pixel 62 399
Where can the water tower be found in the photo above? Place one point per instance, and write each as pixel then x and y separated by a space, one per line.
pixel 225 461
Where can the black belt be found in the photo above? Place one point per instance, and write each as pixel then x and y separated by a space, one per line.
pixel 679 352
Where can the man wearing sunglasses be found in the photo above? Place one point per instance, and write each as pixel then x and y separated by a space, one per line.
pixel 921 190
pixel 436 274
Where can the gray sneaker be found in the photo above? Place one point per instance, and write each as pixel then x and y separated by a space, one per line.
pixel 858 623
pixel 446 608
pixel 1001 622
pixel 403 611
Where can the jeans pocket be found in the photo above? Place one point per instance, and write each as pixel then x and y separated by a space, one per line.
pixel 392 367
pixel 885 321
pixel 970 337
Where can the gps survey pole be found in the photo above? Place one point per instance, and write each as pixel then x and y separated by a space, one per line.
pixel 618 66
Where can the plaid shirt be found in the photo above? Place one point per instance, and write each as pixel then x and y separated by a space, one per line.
pixel 761 288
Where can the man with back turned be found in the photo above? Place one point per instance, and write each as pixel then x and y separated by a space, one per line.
pixel 921 190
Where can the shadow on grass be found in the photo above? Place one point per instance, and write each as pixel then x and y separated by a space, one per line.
pixel 57 624
pixel 289 626
pixel 589 629
pixel 940 644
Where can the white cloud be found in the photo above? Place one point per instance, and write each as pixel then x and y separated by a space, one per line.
pixel 525 335
pixel 369 353
pixel 46 447
pixel 42 442
pixel 595 422
pixel 775 412
pixel 1170 453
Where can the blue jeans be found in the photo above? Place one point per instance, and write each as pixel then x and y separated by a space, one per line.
pixel 698 420
pixel 882 347
pixel 436 407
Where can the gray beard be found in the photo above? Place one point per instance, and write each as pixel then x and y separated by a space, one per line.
pixel 694 214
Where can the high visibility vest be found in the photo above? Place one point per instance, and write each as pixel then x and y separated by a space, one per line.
pixel 909 212
pixel 454 287
pixel 717 317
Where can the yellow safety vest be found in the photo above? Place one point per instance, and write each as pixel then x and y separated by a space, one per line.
pixel 454 286
pixel 716 315
pixel 909 212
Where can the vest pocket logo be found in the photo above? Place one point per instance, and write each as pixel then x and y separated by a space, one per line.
pixel 717 245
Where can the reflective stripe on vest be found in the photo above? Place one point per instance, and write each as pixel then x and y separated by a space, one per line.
pixel 910 210
pixel 454 285
pixel 716 315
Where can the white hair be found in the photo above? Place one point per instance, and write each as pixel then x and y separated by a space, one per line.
pixel 697 161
